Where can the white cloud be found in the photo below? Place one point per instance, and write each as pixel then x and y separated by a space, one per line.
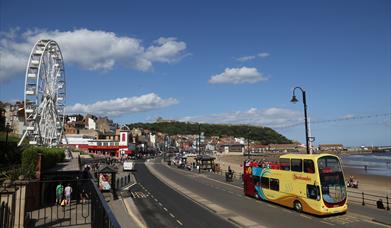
pixel 252 57
pixel 122 106
pixel 237 76
pixel 246 58
pixel 92 50
pixel 271 117
pixel 347 117
pixel 263 55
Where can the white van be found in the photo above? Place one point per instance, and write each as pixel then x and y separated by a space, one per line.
pixel 128 165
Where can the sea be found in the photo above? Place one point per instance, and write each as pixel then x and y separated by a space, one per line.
pixel 377 163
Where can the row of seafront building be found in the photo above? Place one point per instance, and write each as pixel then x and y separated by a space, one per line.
pixel 101 135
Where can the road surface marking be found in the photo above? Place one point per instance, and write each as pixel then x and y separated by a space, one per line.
pixel 155 200
pixel 165 209
pixel 172 215
pixel 305 216
pixel 161 204
pixel 328 223
pixel 179 222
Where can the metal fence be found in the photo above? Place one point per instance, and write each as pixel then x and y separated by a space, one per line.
pixel 7 206
pixel 122 181
pixel 367 199
pixel 35 204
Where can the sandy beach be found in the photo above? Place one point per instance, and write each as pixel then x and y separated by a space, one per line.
pixel 369 184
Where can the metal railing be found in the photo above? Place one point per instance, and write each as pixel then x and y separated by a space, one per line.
pixel 7 204
pixel 366 199
pixel 122 181
pixel 101 216
pixel 35 203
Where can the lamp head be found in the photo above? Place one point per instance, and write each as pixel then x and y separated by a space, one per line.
pixel 294 99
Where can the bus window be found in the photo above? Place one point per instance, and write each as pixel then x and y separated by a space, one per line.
pixel 296 165
pixel 264 182
pixel 309 166
pixel 274 184
pixel 285 164
pixel 313 192
pixel 331 180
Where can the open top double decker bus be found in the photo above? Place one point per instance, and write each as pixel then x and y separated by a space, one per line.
pixel 313 183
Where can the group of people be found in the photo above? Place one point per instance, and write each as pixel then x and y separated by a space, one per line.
pixel 63 195
pixel 352 182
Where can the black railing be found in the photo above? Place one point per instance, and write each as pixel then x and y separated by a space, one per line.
pixel 366 199
pixel 101 216
pixel 7 205
pixel 35 203
pixel 48 209
pixel 122 181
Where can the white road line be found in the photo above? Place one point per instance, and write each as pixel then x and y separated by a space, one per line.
pixel 179 222
pixel 160 204
pixel 328 223
pixel 305 216
pixel 172 215
pixel 239 195
pixel 155 199
pixel 165 209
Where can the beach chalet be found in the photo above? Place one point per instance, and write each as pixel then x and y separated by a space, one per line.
pixel 231 149
pixel 285 148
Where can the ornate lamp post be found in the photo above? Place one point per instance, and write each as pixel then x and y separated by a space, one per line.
pixel 294 100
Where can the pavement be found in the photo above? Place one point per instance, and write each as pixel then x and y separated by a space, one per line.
pixel 68 165
pixel 124 207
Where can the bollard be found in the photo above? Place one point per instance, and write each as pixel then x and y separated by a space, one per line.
pixel 388 206
pixel 363 203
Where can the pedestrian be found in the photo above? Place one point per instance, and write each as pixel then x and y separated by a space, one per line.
pixel 83 196
pixel 380 204
pixel 59 193
pixel 68 192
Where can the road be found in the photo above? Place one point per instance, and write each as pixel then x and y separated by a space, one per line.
pixel 161 206
pixel 230 198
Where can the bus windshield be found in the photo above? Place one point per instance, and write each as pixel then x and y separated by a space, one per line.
pixel 331 180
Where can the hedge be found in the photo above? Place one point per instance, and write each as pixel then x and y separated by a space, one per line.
pixel 51 156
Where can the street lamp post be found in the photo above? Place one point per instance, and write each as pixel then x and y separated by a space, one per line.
pixel 248 145
pixel 294 100
pixel 7 128
pixel 199 139
pixel 199 148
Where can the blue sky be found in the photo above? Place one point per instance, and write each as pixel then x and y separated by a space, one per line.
pixel 220 62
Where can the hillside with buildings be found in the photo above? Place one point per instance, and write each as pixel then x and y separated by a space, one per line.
pixel 261 135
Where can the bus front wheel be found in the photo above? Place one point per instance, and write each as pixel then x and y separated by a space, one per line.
pixel 297 206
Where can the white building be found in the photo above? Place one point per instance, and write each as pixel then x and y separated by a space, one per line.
pixel 91 124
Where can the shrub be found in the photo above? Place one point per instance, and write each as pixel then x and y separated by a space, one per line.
pixel 51 156
pixel 29 161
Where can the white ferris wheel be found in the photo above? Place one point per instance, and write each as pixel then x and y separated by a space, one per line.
pixel 44 95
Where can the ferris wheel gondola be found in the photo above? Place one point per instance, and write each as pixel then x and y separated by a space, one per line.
pixel 44 94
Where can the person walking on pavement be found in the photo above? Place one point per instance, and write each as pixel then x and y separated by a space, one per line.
pixel 68 192
pixel 59 193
